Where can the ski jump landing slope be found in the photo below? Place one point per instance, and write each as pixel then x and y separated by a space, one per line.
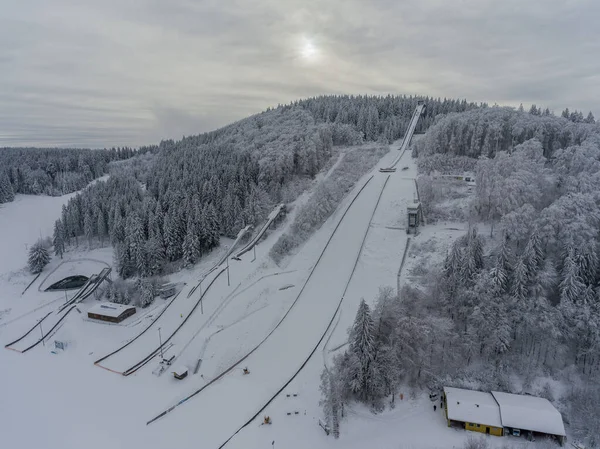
pixel 217 412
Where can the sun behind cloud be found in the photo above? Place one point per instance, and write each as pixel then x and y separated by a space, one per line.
pixel 308 50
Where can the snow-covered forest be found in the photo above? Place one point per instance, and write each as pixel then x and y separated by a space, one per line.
pixel 173 204
pixel 489 130
pixel 54 172
pixel 521 298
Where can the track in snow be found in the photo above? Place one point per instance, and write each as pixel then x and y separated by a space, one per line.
pixel 132 368
pixel 28 341
pixel 273 361
pixel 337 311
pixel 54 318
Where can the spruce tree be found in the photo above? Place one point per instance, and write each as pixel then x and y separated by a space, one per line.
pixel 88 227
pixel 520 280
pixel 58 239
pixel 38 257
pixel 101 227
pixel 191 245
pixel 6 190
pixel 155 256
pixel 590 118
pixel 571 286
pixel 362 349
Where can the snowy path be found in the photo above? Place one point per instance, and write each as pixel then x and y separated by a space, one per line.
pixel 219 410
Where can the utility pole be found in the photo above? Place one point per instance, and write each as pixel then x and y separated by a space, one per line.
pixel 160 341
pixel 65 295
pixel 228 284
pixel 254 248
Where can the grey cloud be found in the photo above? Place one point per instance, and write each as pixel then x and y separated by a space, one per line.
pixel 130 72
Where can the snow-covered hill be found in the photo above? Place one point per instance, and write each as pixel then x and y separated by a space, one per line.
pixel 280 323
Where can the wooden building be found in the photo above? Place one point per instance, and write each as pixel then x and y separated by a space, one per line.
pixel 529 416
pixel 472 410
pixel 111 312
pixel 180 372
pixel 497 413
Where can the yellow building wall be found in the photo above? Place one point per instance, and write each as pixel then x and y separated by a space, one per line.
pixel 497 431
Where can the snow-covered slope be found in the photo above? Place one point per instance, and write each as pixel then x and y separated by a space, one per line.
pixel 274 321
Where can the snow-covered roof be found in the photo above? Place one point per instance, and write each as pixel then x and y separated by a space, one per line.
pixel 472 407
pixel 529 413
pixel 180 370
pixel 110 309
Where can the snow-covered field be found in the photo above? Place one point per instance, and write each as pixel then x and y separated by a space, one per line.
pixel 282 322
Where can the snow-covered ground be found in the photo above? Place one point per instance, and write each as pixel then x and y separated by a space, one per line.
pixel 283 323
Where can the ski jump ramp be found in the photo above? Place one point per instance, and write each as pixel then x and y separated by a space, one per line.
pixel 272 217
pixel 52 320
pixel 407 138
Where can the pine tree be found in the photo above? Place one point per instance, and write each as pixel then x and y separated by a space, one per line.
pixel 330 401
pixel 101 227
pixel 571 286
pixel 117 233
pixel 211 227
pixel 171 237
pixel 586 260
pixel 520 280
pixel 362 348
pixel 88 227
pixel 191 245
pixel 38 257
pixel 590 118
pixel 504 261
pixel 123 260
pixel 474 253
pixel 147 292
pixel 155 256
pixel 6 190
pixel 498 280
pixel 136 242
pixel 58 239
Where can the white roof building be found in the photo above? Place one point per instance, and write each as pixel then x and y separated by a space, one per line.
pixel 529 413
pixel 472 407
pixel 180 370
pixel 109 309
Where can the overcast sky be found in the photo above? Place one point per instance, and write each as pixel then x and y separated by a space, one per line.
pixel 131 72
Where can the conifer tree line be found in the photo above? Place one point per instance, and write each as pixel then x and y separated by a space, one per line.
pixel 174 202
pixel 54 172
